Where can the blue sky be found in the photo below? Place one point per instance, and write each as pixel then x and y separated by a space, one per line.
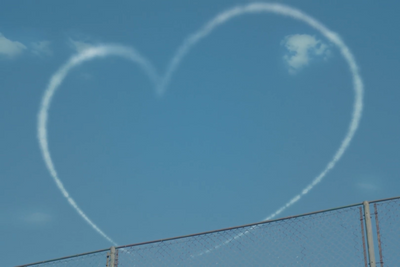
pixel 252 115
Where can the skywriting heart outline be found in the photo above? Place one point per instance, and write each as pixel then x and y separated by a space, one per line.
pixel 162 82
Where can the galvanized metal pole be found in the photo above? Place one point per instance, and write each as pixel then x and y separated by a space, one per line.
pixel 112 257
pixel 370 238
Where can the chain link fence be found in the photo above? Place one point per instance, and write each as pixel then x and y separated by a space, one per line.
pixel 336 237
pixel 387 224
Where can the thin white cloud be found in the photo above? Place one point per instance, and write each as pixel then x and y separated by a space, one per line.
pixel 10 48
pixel 79 46
pixel 301 48
pixel 41 48
pixel 369 186
pixel 366 186
pixel 32 217
pixel 37 217
pixel 369 183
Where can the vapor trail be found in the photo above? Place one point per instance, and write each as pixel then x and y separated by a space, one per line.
pixel 284 10
pixel 107 50
pixel 55 82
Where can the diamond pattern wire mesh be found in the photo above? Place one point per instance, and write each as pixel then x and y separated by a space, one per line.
pixel 387 223
pixel 328 238
pixel 331 238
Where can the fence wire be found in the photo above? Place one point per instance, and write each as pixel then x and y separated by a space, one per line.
pixel 322 239
pixel 334 237
pixel 387 223
pixel 93 259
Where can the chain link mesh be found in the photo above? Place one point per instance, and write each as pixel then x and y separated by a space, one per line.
pixel 331 238
pixel 387 223
pixel 328 238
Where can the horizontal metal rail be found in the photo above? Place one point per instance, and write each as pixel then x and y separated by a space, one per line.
pixel 65 258
pixel 384 199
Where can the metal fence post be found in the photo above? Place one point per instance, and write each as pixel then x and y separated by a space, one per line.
pixel 112 257
pixel 370 238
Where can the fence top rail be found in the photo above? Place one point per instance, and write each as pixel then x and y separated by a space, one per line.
pixel 65 258
pixel 209 232
pixel 384 199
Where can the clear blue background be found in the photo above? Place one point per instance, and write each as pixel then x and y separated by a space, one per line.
pixel 233 139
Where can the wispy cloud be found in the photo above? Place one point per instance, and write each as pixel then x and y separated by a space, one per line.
pixel 27 217
pixel 79 46
pixel 368 186
pixel 301 49
pixel 10 48
pixel 42 48
pixel 37 217
pixel 369 183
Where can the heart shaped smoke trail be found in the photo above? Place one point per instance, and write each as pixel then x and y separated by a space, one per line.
pixel 107 50
pixel 55 82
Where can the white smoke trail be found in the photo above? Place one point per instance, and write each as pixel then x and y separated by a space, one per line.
pixel 187 45
pixel 284 10
pixel 55 82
